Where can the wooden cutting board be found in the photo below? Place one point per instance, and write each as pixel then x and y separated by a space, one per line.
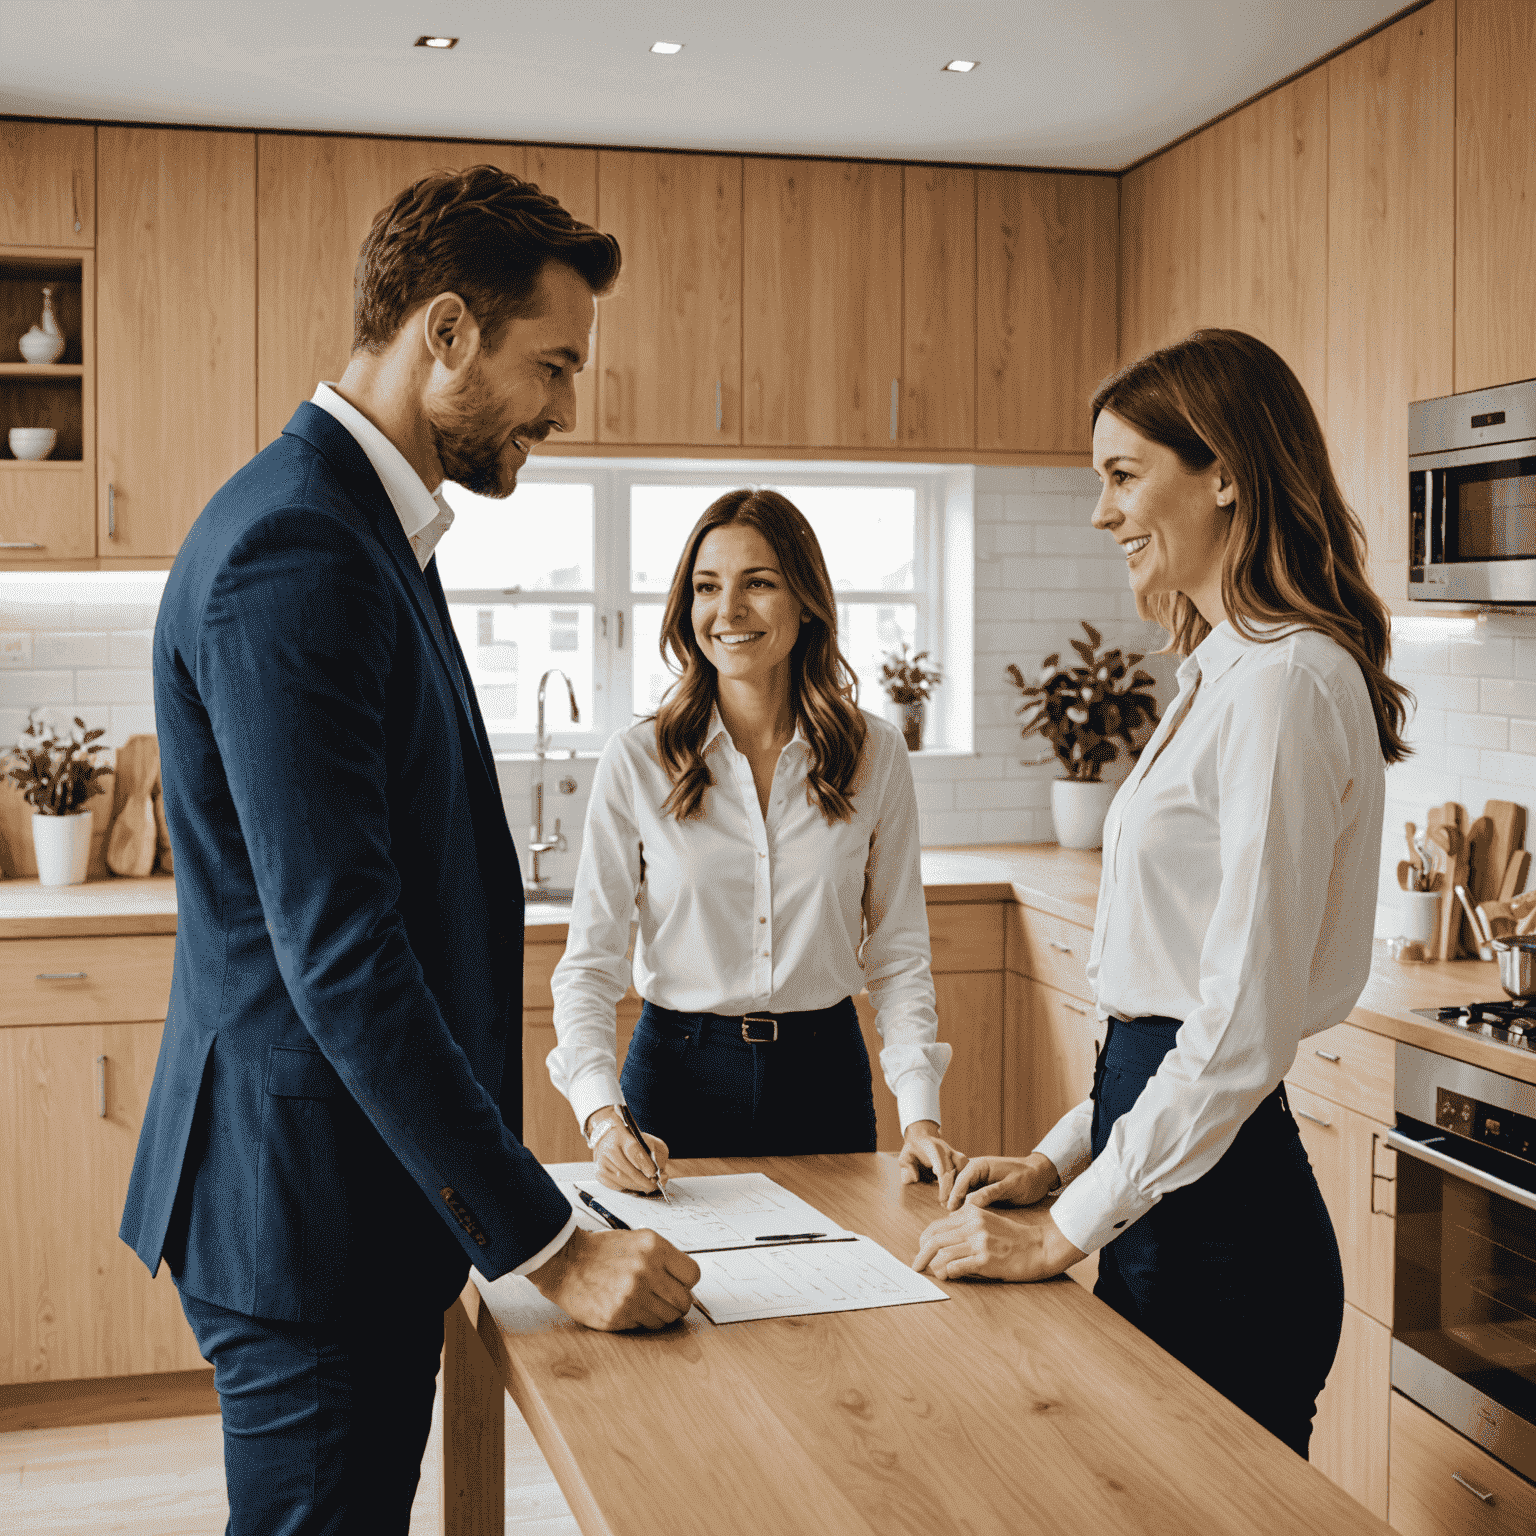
pixel 1507 823
pixel 131 842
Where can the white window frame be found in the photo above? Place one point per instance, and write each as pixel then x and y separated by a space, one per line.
pixel 941 592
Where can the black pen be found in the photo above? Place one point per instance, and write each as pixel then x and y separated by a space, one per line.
pixel 634 1130
pixel 603 1211
pixel 787 1237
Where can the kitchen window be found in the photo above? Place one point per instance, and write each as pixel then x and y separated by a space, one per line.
pixel 572 573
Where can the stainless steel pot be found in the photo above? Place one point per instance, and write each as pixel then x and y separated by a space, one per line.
pixel 1517 965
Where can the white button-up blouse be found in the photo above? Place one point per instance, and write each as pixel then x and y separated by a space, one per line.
pixel 741 912
pixel 1239 896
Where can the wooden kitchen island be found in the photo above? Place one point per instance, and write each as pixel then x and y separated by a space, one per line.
pixel 1007 1409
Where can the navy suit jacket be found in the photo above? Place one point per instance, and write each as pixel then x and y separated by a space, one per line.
pixel 338 1092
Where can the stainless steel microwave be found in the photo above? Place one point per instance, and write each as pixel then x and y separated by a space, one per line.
pixel 1472 497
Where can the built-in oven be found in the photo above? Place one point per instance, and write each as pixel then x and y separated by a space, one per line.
pixel 1464 1309
pixel 1472 496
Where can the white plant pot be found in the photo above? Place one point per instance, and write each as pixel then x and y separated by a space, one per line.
pixel 63 848
pixel 1078 811
pixel 909 719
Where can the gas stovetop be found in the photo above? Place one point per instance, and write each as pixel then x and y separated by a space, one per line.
pixel 1510 1022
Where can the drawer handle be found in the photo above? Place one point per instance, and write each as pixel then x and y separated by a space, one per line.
pixel 1487 1498
pixel 1066 949
pixel 1076 1009
pixel 101 1087
pixel 22 544
pixel 61 975
pixel 1327 1055
pixel 1327 1125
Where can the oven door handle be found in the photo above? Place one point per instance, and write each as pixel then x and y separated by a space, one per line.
pixel 1448 1164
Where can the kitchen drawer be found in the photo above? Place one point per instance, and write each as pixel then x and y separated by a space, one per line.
pixel 1351 1066
pixel 967 936
pixel 85 981
pixel 1440 1484
pixel 1049 949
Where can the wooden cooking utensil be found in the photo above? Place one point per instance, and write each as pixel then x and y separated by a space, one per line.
pixel 1523 903
pixel 1527 924
pixel 1506 822
pixel 1405 875
pixel 1479 846
pixel 1515 871
pixel 131 842
pixel 1501 921
pixel 1448 931
pixel 1414 857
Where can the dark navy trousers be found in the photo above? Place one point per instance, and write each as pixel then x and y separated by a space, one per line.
pixel 1237 1275
pixel 325 1426
pixel 692 1080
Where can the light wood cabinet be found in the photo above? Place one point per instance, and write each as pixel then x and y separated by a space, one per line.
pixel 176 330
pixel 938 313
pixel 1495 212
pixel 1444 1485
pixel 1049 1047
pixel 316 199
pixel 1350 1433
pixel 669 351
pixel 1391 265
pixel 47 184
pixel 1049 949
pixel 1047 249
pixel 77 1301
pixel 822 293
pixel 1350 1066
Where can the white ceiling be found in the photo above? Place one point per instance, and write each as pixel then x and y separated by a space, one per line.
pixel 1084 83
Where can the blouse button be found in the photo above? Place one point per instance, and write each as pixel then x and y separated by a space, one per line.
pixel 762 919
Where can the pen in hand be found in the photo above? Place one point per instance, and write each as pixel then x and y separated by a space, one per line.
pixel 617 1223
pixel 634 1130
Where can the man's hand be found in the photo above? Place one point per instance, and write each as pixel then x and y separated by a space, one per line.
pixel 621 1161
pixel 975 1241
pixel 617 1280
pixel 1004 1181
pixel 926 1155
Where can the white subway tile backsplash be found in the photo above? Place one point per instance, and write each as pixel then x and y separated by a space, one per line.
pixel 1474 730
pixel 1522 736
pixel 132 648
pixel 36 689
pixel 1508 696
pixel 127 720
pixel 129 686
pixel 65 648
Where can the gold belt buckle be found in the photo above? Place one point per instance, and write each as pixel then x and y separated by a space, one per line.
pixel 759 1018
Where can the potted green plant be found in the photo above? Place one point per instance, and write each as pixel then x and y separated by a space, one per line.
pixel 57 776
pixel 908 686
pixel 1089 713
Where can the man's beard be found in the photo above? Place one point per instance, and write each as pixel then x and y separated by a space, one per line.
pixel 469 439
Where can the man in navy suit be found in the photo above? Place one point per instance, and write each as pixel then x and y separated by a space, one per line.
pixel 332 1135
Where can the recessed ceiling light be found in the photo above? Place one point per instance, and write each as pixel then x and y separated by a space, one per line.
pixel 666 47
pixel 436 42
pixel 961 66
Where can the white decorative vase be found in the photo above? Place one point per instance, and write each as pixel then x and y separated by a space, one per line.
pixel 63 848
pixel 1078 810
pixel 44 343
pixel 909 719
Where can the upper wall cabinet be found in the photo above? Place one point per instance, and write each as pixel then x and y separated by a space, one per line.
pixel 316 200
pixel 938 363
pixel 1230 228
pixel 1046 307
pixel 669 346
pixel 1495 205
pixel 821 328
pixel 176 330
pixel 47 184
pixel 1391 254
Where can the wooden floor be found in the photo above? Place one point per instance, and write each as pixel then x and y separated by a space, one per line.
pixel 165 1477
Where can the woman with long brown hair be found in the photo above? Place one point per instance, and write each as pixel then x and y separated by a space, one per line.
pixel 1238 891
pixel 766 830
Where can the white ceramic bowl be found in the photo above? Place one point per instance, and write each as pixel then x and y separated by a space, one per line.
pixel 32 442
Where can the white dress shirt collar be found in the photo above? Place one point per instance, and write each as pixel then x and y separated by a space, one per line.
pixel 424 515
pixel 717 730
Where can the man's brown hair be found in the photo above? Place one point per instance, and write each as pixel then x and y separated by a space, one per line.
pixel 481 233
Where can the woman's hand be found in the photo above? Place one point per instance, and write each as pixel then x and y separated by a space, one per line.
pixel 622 1163
pixel 1004 1181
pixel 925 1154
pixel 975 1241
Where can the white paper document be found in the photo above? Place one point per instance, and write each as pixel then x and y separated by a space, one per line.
pixel 722 1220
pixel 724 1210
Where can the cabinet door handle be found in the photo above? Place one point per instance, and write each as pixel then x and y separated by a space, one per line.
pixel 1327 1125
pixel 19 544
pixel 1476 1492
pixel 61 975
pixel 101 1087
pixel 1075 1009
pixel 111 510
pixel 1327 1055
pixel 895 406
pixel 719 408
pixel 619 615
pixel 1066 949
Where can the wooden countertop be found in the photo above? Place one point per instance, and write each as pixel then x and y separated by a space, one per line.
pixel 1021 1408
pixel 99 907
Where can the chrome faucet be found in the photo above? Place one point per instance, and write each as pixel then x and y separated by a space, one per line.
pixel 537 844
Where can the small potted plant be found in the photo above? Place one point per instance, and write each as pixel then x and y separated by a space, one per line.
pixel 57 775
pixel 1089 713
pixel 908 686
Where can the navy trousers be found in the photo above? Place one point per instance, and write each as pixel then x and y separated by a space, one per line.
pixel 692 1080
pixel 1237 1275
pixel 324 1427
